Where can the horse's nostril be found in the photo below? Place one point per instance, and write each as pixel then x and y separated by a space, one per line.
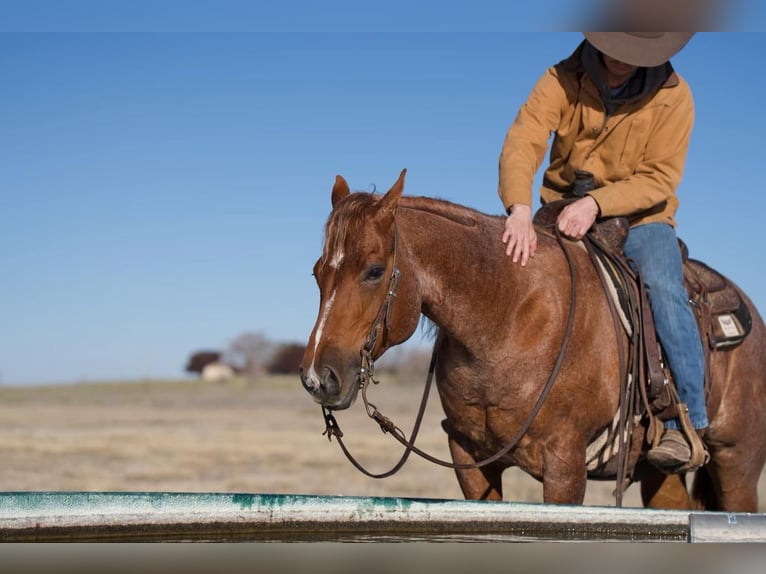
pixel 329 381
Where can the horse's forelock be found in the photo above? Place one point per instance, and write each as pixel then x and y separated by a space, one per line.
pixel 346 219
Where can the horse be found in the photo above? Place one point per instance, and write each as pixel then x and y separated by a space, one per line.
pixel 500 331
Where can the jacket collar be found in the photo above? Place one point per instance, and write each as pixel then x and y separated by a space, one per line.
pixel 584 60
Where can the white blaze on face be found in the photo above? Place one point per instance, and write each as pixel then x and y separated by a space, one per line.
pixel 318 335
pixel 335 262
pixel 337 259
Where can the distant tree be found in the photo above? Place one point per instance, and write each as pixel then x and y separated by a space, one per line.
pixel 287 359
pixel 249 353
pixel 201 359
pixel 414 365
pixel 407 362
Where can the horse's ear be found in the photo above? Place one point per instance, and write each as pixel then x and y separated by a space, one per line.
pixel 339 190
pixel 391 199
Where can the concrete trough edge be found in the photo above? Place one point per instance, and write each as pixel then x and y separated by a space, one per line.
pixel 153 515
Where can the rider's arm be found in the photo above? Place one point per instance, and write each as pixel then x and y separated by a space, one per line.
pixel 523 152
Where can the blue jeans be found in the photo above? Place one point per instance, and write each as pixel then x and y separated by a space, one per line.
pixel 654 247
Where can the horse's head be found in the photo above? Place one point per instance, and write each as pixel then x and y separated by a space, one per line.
pixel 363 307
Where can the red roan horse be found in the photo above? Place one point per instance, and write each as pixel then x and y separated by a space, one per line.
pixel 500 331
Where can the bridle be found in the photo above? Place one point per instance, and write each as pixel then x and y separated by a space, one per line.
pixel 367 375
pixel 367 369
pixel 382 321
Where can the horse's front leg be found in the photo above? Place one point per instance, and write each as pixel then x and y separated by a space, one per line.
pixel 483 483
pixel 564 478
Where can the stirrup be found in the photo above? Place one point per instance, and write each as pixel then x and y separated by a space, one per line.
pixel 700 456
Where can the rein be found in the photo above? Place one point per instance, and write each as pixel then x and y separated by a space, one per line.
pixel 387 426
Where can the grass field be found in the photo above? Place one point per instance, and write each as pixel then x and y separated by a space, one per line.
pixel 263 436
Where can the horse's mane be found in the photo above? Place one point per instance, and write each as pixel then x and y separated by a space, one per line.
pixel 349 215
pixel 460 214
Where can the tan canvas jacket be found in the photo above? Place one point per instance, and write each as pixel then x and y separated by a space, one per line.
pixel 637 155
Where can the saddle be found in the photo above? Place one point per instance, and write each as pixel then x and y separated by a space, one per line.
pixel 723 317
pixel 723 320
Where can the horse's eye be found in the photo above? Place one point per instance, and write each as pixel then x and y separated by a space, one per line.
pixel 374 274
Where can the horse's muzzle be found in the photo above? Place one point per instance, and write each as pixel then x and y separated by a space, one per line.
pixel 324 388
pixel 328 390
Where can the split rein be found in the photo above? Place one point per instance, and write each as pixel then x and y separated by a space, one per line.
pixel 366 375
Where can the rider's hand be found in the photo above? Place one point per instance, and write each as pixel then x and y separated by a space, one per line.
pixel 519 234
pixel 576 219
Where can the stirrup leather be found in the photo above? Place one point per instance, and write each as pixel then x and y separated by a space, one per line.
pixel 700 456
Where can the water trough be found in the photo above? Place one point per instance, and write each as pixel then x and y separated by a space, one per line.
pixel 162 516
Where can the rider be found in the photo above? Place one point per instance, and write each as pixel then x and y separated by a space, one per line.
pixel 617 109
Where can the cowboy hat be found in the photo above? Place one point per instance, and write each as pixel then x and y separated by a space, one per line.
pixel 643 49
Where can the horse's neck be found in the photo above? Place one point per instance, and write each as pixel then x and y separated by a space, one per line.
pixel 460 265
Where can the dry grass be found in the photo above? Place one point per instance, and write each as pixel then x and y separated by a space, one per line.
pixel 264 437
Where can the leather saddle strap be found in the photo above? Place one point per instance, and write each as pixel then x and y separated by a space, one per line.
pixel 596 250
pixel 645 324
pixel 651 347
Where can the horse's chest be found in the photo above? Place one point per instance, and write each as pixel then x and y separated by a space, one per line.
pixel 479 415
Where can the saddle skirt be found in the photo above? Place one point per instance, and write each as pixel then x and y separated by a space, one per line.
pixel 723 317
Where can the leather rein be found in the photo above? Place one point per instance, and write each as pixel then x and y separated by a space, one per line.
pixel 366 375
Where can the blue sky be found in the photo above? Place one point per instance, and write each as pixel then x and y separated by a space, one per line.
pixel 165 192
